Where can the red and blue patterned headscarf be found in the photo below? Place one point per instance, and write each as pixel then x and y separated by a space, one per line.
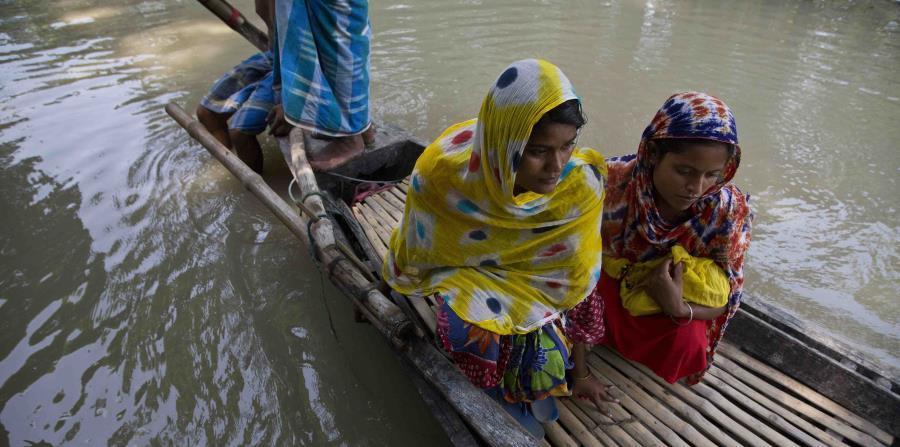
pixel 718 226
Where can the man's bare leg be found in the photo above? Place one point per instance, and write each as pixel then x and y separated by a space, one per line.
pixel 248 150
pixel 216 124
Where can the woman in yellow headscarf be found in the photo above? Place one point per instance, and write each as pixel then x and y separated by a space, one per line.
pixel 502 223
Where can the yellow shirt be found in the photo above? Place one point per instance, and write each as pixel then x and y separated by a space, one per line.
pixel 704 283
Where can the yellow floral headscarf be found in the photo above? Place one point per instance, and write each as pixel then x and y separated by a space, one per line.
pixel 506 263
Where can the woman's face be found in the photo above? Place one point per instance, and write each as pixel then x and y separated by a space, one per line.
pixel 679 179
pixel 547 152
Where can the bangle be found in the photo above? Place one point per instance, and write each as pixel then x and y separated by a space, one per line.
pixel 690 318
pixel 578 379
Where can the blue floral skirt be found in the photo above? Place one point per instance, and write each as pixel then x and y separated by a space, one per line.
pixel 526 367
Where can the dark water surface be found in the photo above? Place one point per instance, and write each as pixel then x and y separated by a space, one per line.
pixel 146 298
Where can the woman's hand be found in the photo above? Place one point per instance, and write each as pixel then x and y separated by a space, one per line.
pixel 591 390
pixel 665 284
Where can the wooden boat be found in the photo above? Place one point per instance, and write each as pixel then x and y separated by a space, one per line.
pixel 776 381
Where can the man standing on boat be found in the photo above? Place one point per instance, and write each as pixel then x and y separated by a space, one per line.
pixel 238 105
pixel 322 74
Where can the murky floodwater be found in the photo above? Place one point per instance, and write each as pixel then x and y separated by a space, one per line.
pixel 146 298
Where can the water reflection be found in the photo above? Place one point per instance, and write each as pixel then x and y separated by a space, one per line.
pixel 146 298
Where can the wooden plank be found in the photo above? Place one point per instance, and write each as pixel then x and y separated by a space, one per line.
pixel 635 426
pixel 603 425
pixel 574 426
pixel 764 415
pixel 757 426
pixel 374 240
pixel 425 312
pixel 819 339
pixel 836 425
pixel 681 409
pixel 399 193
pixel 795 358
pixel 660 419
pixel 395 203
pixel 480 411
pixel 377 220
pixel 805 392
pixel 386 219
pixel 558 436
pixel 457 431
pixel 704 406
pixel 782 411
pixel 372 218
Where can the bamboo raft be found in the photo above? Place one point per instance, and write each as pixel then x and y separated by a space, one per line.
pixel 776 381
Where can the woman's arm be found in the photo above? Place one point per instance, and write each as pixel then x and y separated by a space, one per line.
pixel 585 386
pixel 665 284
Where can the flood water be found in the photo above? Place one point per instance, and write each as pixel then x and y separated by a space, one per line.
pixel 146 298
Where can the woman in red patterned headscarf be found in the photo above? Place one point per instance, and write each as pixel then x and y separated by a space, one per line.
pixel 676 190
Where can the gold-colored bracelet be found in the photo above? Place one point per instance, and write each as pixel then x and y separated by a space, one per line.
pixel 578 379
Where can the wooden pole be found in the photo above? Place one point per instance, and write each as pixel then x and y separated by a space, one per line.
pixel 236 21
pixel 339 267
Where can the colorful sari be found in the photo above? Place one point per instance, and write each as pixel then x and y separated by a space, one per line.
pixel 323 64
pixel 505 265
pixel 718 228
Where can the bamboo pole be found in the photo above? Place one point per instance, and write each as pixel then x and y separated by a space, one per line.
pixel 759 426
pixel 784 411
pixel 775 376
pixel 601 436
pixel 321 230
pixel 380 206
pixel 574 426
pixel 236 21
pixel 764 414
pixel 658 418
pixel 634 426
pixel 682 409
pixel 379 247
pixel 399 193
pixel 603 424
pixel 396 203
pixel 425 312
pixel 372 218
pixel 391 207
pixel 836 425
pixel 558 436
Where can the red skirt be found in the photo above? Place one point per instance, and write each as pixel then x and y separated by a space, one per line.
pixel 671 351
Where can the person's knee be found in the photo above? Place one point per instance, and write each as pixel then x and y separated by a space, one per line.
pixel 211 119
pixel 239 137
pixel 691 340
pixel 205 115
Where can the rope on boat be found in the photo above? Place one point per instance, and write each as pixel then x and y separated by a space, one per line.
pixel 360 180
pixel 313 218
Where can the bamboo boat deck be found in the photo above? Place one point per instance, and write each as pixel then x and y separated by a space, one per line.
pixel 741 401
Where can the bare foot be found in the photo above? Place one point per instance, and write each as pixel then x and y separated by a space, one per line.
pixel 368 136
pixel 337 152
